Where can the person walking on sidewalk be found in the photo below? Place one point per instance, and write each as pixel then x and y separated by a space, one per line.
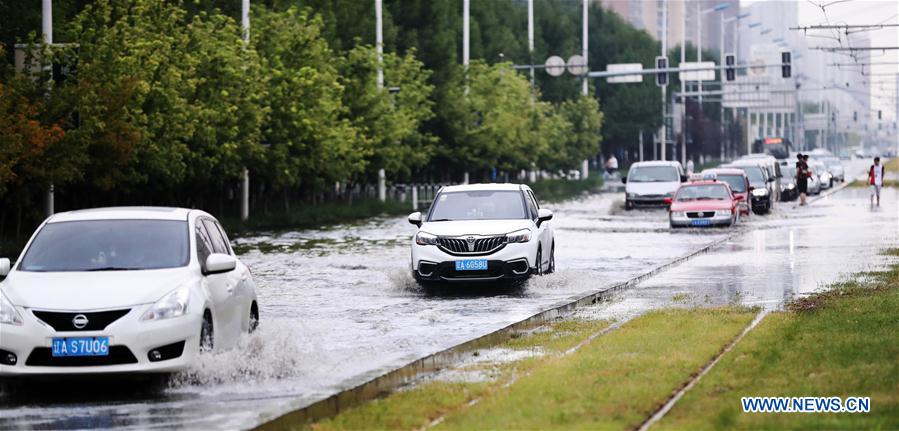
pixel 801 178
pixel 611 165
pixel 875 179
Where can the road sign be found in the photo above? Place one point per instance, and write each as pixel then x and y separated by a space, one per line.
pixel 576 65
pixel 698 75
pixel 624 67
pixel 555 66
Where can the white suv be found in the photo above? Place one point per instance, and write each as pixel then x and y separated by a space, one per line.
pixel 482 232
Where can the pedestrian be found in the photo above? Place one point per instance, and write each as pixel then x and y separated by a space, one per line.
pixel 802 177
pixel 875 179
pixel 690 167
pixel 611 164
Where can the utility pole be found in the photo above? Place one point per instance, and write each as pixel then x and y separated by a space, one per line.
pixel 683 88
pixel 721 78
pixel 47 33
pixel 245 183
pixel 531 37
pixel 699 44
pixel 379 46
pixel 663 133
pixel 585 167
pixel 465 30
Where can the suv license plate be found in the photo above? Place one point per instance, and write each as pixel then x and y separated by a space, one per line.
pixel 471 265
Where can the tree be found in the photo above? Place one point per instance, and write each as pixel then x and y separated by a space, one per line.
pixel 389 119
pixel 580 135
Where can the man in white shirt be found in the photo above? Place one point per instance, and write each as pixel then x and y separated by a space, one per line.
pixel 875 179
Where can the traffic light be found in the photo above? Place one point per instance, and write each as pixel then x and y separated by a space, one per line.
pixel 730 72
pixel 785 64
pixel 855 116
pixel 661 77
pixel 879 114
pixel 833 117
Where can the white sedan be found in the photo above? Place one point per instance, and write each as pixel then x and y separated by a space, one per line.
pixel 115 290
pixel 482 232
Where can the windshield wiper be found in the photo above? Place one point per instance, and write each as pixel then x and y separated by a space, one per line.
pixel 111 268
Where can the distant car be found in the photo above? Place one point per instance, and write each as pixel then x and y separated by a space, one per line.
pixel 703 204
pixel 772 165
pixel 788 188
pixel 835 167
pixel 822 174
pixel 650 183
pixel 482 233
pixel 762 185
pixel 118 290
pixel 738 182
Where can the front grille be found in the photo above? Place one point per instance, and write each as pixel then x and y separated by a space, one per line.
pixel 96 320
pixel 43 357
pixel 701 214
pixel 461 245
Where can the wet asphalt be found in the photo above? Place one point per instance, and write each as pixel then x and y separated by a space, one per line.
pixel 339 306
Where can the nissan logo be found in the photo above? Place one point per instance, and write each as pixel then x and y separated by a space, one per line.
pixel 79 321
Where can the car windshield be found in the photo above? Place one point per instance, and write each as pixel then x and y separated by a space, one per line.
pixel 736 182
pixel 108 245
pixel 651 174
pixel 754 173
pixel 702 192
pixel 479 205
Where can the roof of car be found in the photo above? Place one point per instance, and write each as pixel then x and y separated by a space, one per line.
pixel 725 171
pixel 704 183
pixel 656 163
pixel 748 162
pixel 122 213
pixel 483 187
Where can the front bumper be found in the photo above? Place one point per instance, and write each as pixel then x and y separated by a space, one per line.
pixel 512 262
pixel 130 342
pixel 647 200
pixel 717 220
pixel 761 202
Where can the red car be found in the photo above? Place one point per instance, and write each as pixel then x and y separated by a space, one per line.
pixel 738 182
pixel 704 203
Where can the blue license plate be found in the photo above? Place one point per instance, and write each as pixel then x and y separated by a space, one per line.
pixel 471 265
pixel 701 222
pixel 80 346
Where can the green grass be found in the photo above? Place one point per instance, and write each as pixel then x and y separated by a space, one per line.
pixel 864 183
pixel 614 381
pixel 313 216
pixel 844 342
pixel 560 190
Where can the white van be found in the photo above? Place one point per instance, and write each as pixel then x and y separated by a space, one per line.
pixel 649 183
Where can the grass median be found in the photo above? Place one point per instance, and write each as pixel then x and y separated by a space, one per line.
pixel 844 342
pixel 614 381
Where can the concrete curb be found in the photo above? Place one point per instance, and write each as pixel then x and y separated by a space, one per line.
pixel 385 383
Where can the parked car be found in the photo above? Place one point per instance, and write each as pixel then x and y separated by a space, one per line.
pixel 822 174
pixel 835 167
pixel 773 166
pixel 763 194
pixel 482 233
pixel 649 183
pixel 113 290
pixel 788 188
pixel 738 182
pixel 703 204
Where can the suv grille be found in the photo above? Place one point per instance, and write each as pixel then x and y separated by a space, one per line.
pixel 462 245
pixel 96 320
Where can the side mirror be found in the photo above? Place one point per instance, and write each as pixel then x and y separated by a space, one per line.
pixel 623 180
pixel 771 180
pixel 415 218
pixel 738 197
pixel 684 178
pixel 543 215
pixel 218 263
pixel 4 267
pixel 667 201
pixel 751 188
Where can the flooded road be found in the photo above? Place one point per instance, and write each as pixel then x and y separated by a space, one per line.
pixel 339 306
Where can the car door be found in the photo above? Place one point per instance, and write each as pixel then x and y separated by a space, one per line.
pixel 231 279
pixel 543 230
pixel 216 287
pixel 244 289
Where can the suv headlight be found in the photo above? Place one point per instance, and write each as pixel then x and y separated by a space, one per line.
pixel 173 304
pixel 8 313
pixel 424 238
pixel 523 235
pixel 760 192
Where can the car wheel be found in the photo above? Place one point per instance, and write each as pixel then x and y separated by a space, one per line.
pixel 254 317
pixel 207 335
pixel 539 262
pixel 628 205
pixel 552 260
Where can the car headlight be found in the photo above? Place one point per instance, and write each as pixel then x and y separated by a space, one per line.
pixel 678 214
pixel 424 238
pixel 760 192
pixel 723 213
pixel 791 186
pixel 8 313
pixel 523 235
pixel 173 304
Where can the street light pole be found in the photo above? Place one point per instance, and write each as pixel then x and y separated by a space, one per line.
pixel 585 168
pixel 47 33
pixel 531 37
pixel 663 133
pixel 379 41
pixel 245 183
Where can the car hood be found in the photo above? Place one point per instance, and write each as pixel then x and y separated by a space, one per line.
pixel 653 188
pixel 701 205
pixel 92 290
pixel 475 227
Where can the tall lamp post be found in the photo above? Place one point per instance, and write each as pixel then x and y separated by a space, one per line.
pixel 735 19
